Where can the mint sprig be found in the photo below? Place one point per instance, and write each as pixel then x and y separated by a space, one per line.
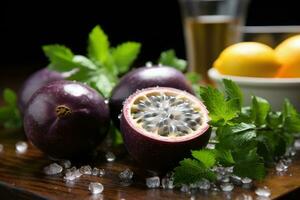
pixel 10 116
pixel 103 66
pixel 249 139
pixel 169 58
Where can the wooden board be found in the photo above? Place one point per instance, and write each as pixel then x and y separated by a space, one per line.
pixel 22 177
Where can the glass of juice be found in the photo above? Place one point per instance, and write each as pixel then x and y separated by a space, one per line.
pixel 209 27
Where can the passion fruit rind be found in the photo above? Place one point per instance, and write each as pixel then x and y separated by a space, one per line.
pixel 66 119
pixel 160 126
pixel 145 77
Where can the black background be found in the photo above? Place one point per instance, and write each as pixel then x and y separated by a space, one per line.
pixel 26 25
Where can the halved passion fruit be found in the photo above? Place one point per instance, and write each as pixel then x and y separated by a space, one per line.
pixel 161 125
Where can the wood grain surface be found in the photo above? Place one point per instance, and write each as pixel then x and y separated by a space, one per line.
pixel 22 177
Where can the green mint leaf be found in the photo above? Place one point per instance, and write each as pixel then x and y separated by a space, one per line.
pixel 206 157
pixel 224 157
pixel 235 137
pixel 219 109
pixel 233 91
pixel 10 116
pixel 115 135
pixel 61 57
pixel 169 58
pixel 124 55
pixel 10 97
pixel 102 81
pixel 274 120
pixel 260 110
pixel 98 46
pixel 291 118
pixel 191 171
pixel 249 164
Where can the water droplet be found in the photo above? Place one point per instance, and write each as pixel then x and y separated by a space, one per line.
pixel 263 191
pixel 119 116
pixel 96 188
pixel 167 183
pixel 86 170
pixel 53 169
pixel 211 146
pixel 226 187
pixel 72 174
pixel 153 182
pixel 110 156
pixel 149 64
pixel 1 148
pixel 106 101
pixel 101 172
pixel 21 147
pixel 125 175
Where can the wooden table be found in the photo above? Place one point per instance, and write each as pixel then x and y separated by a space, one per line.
pixel 22 177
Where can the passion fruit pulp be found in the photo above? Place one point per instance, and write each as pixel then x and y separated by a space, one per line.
pixel 145 77
pixel 66 119
pixel 34 82
pixel 160 126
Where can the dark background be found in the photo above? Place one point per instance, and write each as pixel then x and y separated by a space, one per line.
pixel 26 26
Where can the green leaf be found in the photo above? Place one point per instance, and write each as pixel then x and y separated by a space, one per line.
pixel 10 97
pixel 124 55
pixel 291 118
pixel 102 81
pixel 224 157
pixel 98 45
pixel 274 120
pixel 249 164
pixel 233 91
pixel 191 171
pixel 206 157
pixel 219 109
pixel 260 110
pixel 235 137
pixel 169 58
pixel 10 116
pixel 61 57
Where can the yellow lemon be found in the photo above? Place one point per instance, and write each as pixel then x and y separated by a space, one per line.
pixel 288 54
pixel 248 59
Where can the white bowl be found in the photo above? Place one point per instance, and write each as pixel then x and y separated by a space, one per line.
pixel 275 90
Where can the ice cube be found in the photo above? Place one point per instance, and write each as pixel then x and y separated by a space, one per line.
pixel 246 180
pixel 167 183
pixel 263 191
pixel 153 182
pixel 280 167
pixel 86 170
pixel 65 164
pixel 101 172
pixel 204 184
pixel 21 147
pixel 185 188
pixel 53 169
pixel 226 187
pixel 96 188
pixel 127 174
pixel 95 171
pixel 110 156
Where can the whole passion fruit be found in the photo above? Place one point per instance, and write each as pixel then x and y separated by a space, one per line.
pixel 145 77
pixel 66 119
pixel 34 82
pixel 161 125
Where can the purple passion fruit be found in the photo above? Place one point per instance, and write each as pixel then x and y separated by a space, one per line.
pixel 33 83
pixel 145 77
pixel 161 125
pixel 66 119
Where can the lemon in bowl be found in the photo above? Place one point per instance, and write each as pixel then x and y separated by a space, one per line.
pixel 251 59
pixel 254 67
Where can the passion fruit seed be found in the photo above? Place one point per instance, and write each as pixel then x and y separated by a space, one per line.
pixel 166 114
pixel 62 111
